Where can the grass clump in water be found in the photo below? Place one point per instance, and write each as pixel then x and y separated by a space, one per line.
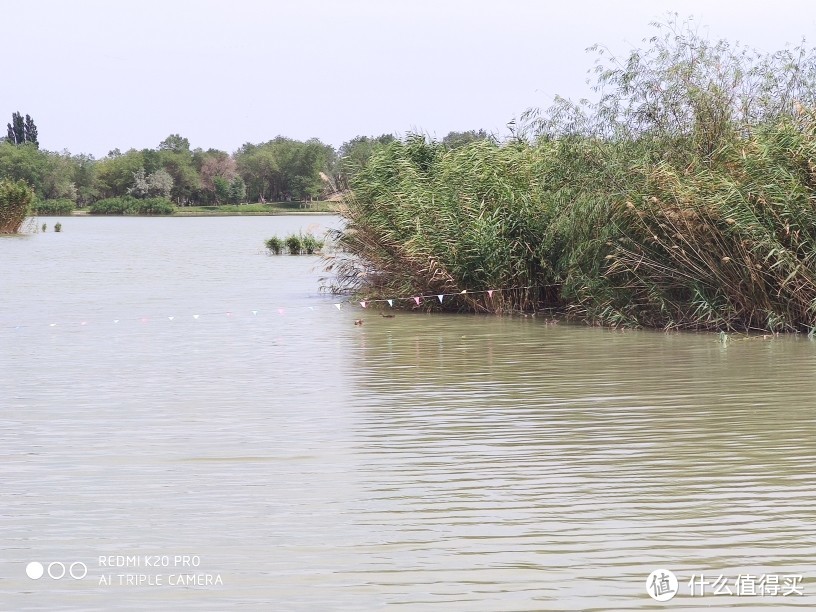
pixel 295 244
pixel 275 245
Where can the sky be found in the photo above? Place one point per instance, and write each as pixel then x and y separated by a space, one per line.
pixel 102 74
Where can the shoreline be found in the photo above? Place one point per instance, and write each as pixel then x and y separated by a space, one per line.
pixel 277 213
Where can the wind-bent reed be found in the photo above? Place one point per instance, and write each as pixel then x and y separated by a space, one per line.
pixel 15 202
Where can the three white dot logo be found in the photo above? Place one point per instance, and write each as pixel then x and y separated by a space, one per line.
pixel 57 570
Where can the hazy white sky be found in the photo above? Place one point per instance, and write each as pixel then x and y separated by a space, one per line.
pixel 102 74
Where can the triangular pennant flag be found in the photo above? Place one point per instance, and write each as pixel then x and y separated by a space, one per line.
pixel 311 307
pixel 171 318
pixel 363 304
pixel 490 292
pixel 116 320
pixel 255 312
pixel 440 298
pixel 391 303
pixel 195 316
pixel 463 291
pixel 417 300
pixel 338 306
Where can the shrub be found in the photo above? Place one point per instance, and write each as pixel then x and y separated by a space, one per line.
pixel 58 227
pixel 128 205
pixel 54 207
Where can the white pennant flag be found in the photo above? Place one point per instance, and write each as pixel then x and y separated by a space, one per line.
pixel 391 303
pixel 171 318
pixel 195 316
pixel 255 312
pixel 338 306
pixel 440 298
pixel 363 304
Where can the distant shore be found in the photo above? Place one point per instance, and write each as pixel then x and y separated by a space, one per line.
pixel 240 210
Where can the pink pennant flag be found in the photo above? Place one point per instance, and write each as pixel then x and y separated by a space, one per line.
pixel 440 296
pixel 417 300
pixel 363 304
pixel 490 292
pixel 338 306
pixel 391 303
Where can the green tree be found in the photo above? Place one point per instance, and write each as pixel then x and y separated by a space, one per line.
pixel 221 189
pixel 178 161
pixel 23 162
pixel 31 131
pixel 58 178
pixel 237 190
pixel 22 131
pixel 354 154
pixel 455 140
pixel 174 142
pixel 114 173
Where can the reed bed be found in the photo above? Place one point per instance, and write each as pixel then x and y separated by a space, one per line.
pixel 15 203
pixel 696 210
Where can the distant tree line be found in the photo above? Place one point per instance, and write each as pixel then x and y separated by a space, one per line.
pixel 281 169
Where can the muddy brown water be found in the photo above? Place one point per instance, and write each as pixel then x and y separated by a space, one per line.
pixel 268 454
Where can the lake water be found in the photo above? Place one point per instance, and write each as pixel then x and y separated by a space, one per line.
pixel 286 459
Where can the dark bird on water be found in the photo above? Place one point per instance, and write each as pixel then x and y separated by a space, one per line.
pixel 387 316
pixel 358 321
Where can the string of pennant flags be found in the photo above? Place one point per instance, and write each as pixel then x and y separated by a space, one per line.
pixel 417 300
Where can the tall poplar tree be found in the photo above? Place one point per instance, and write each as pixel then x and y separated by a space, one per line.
pixel 21 131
